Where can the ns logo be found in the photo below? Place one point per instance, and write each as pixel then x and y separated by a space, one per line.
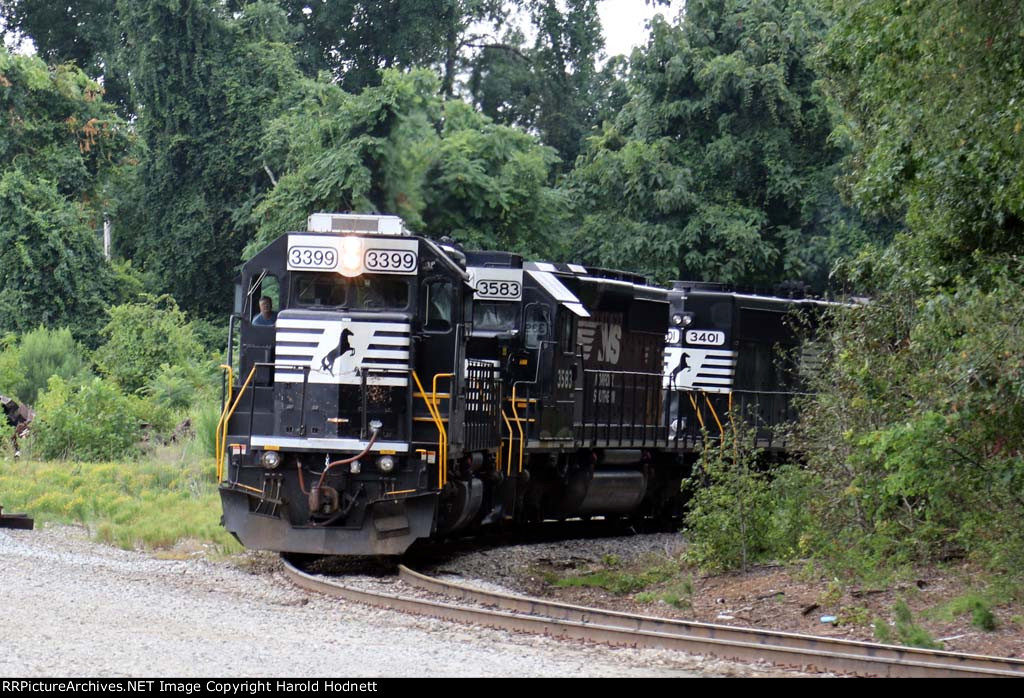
pixel 601 340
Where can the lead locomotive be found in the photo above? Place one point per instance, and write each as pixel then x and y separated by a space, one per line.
pixel 406 389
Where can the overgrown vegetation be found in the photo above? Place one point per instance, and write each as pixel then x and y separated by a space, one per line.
pixel 26 364
pixel 612 576
pixel 151 503
pixel 742 509
pixel 904 630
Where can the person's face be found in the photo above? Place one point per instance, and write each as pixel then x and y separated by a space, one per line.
pixel 265 308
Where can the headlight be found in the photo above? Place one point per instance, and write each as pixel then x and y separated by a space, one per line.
pixel 386 464
pixel 270 459
pixel 351 257
pixel 687 319
pixel 677 319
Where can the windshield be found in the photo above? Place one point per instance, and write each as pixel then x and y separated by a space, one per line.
pixel 329 290
pixel 495 317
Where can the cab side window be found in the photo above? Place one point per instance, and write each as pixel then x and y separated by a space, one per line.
pixel 565 331
pixel 263 300
pixel 438 305
pixel 538 326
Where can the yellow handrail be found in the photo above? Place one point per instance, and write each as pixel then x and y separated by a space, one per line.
pixel 220 421
pixel 519 426
pixel 223 432
pixel 444 441
pixel 509 425
pixel 700 417
pixel 721 429
pixel 432 408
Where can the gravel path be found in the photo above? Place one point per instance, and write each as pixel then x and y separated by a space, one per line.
pixel 70 607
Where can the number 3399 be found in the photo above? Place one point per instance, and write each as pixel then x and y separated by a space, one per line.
pixel 389 260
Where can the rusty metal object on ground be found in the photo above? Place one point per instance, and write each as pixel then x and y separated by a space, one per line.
pixel 15 520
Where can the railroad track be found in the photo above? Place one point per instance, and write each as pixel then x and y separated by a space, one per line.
pixel 610 627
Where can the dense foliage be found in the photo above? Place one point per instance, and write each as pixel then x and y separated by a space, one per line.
pixel 916 432
pixel 933 98
pixel 61 150
pixel 720 166
pixel 381 150
pixel 142 337
pixel 27 365
pixel 205 84
pixel 93 421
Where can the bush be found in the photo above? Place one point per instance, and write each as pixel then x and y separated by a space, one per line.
pixel 180 387
pixel 916 433
pixel 91 422
pixel 213 336
pixel 52 270
pixel 142 337
pixel 26 366
pixel 6 443
pixel 741 512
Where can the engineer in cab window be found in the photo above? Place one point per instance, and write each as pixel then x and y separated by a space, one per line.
pixel 267 316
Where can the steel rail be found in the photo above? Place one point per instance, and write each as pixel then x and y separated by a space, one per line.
pixel 524 614
pixel 961 664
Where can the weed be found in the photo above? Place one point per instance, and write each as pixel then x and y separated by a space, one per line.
pixel 983 618
pixel 740 513
pixel 619 581
pixel 832 595
pixel 977 605
pixel 883 631
pixel 680 594
pixel 853 615
pixel 910 633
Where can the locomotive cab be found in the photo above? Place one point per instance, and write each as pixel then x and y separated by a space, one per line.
pixel 334 437
pixel 729 351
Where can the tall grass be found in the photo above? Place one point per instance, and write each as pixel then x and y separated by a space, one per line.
pixel 150 504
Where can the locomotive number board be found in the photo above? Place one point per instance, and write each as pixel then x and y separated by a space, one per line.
pixel 352 256
pixel 711 338
pixel 493 284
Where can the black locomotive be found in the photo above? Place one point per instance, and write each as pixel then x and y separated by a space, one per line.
pixel 406 389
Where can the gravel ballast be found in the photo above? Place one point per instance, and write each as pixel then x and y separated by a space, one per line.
pixel 71 607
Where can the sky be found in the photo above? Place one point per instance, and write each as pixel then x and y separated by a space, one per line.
pixel 624 22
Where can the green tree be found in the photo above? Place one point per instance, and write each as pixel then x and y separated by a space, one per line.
pixel 487 187
pixel 916 433
pixel 355 40
pixel 141 338
pixel 380 151
pixel 27 365
pixel 552 87
pixel 933 97
pixel 62 153
pixel 83 32
pixel 52 272
pixel 339 151
pixel 206 83
pixel 720 167
pixel 57 128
